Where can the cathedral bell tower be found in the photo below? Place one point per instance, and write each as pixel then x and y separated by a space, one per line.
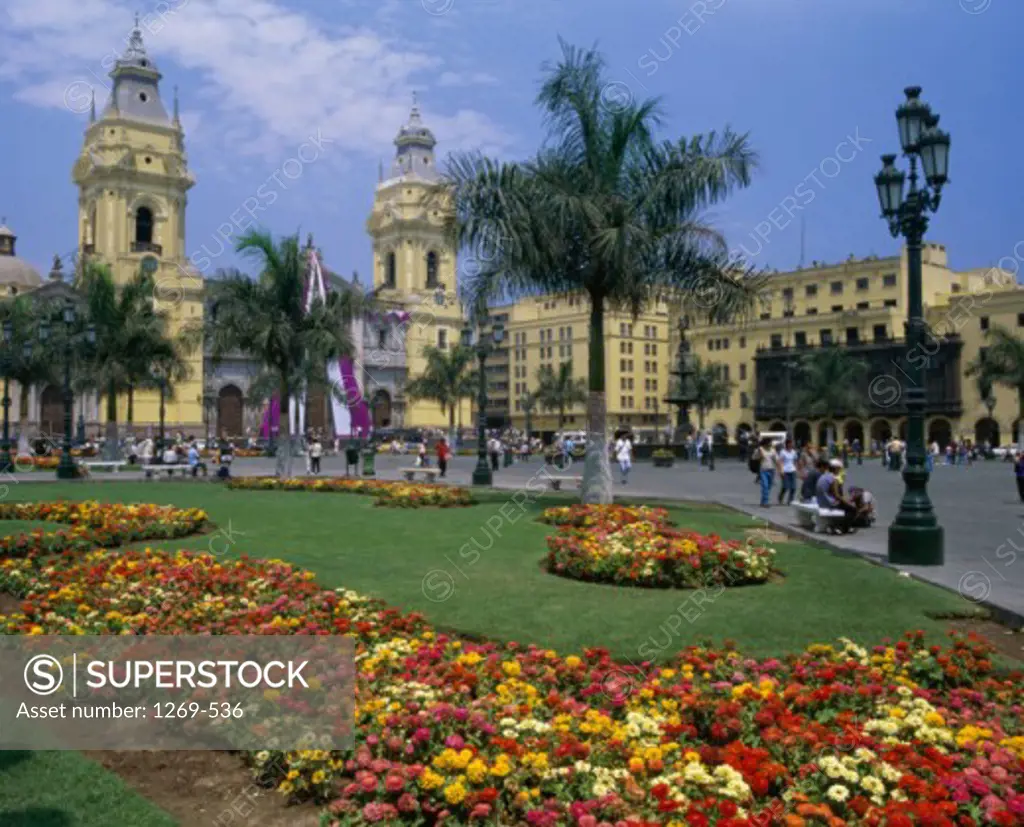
pixel 414 263
pixel 133 178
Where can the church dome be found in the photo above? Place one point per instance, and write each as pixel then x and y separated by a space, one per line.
pixel 16 275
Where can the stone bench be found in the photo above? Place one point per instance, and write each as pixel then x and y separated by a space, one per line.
pixel 99 465
pixel 429 474
pixel 821 520
pixel 153 471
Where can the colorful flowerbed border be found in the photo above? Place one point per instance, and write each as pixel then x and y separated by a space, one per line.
pixel 638 546
pixel 388 494
pixel 457 731
pixel 96 525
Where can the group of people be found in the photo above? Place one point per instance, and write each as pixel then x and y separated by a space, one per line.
pixel 822 481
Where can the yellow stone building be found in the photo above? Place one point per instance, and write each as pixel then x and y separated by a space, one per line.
pixel 549 330
pixel 133 179
pixel 414 264
pixel 861 304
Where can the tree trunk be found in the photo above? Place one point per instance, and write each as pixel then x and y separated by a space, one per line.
pixel 451 423
pixel 24 449
pixel 111 444
pixel 130 417
pixel 285 449
pixel 700 416
pixel 561 418
pixel 597 468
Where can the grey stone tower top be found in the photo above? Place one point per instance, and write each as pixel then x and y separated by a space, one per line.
pixel 414 147
pixel 136 90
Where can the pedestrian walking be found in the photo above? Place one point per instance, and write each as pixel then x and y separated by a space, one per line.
pixel 316 451
pixel 624 454
pixel 787 468
pixel 1018 470
pixel 769 460
pixel 443 453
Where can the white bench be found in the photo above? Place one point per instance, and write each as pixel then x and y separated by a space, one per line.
pixel 153 470
pixel 821 520
pixel 99 465
pixel 429 474
pixel 555 483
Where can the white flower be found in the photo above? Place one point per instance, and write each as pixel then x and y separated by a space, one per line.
pixel 837 792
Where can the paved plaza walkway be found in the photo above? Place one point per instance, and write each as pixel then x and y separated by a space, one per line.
pixel 978 507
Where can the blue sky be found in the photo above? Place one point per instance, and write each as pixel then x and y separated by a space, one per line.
pixel 815 82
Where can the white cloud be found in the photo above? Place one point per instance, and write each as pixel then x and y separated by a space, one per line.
pixel 269 76
pixel 466 79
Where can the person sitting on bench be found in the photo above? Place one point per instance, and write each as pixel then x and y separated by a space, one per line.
pixel 195 463
pixel 807 488
pixel 829 494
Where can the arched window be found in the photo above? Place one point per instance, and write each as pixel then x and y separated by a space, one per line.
pixel 143 225
pixel 431 269
pixel 390 278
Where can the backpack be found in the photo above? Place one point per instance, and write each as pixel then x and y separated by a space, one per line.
pixel 754 463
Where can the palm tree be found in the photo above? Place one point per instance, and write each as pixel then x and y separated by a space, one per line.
pixel 558 390
pixel 130 333
pixel 528 404
pixel 1004 365
pixel 604 210
pixel 830 383
pixel 267 318
pixel 709 388
pixel 31 360
pixel 447 379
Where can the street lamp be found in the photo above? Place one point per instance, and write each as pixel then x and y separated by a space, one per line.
pixel 475 338
pixel 161 381
pixel 7 365
pixel 915 536
pixel 787 312
pixel 66 468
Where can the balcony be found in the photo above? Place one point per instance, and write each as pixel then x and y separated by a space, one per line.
pixel 147 247
pixel 88 249
pixel 884 358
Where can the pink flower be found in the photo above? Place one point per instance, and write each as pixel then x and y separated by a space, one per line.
pixel 480 811
pixel 368 783
pixel 454 741
pixel 587 821
pixel 393 783
pixel 407 803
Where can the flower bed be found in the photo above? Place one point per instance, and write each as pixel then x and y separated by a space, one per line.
pixel 93 524
pixel 388 494
pixel 639 547
pixel 458 731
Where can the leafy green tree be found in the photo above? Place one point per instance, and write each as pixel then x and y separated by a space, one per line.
pixel 447 379
pixel 528 404
pixel 710 388
pixel 31 361
pixel 1003 365
pixel 266 318
pixel 557 390
pixel 829 382
pixel 606 211
pixel 131 333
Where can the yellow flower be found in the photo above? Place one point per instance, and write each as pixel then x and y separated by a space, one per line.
pixel 319 776
pixel 476 771
pixel 572 661
pixel 430 780
pixel 511 668
pixel 454 793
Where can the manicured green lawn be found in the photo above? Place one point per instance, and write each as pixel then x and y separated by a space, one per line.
pixel 66 789
pixel 477 570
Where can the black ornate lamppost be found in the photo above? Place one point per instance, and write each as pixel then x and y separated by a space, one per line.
pixel 684 396
pixel 66 469
pixel 482 344
pixel 915 536
pixel 161 382
pixel 7 366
